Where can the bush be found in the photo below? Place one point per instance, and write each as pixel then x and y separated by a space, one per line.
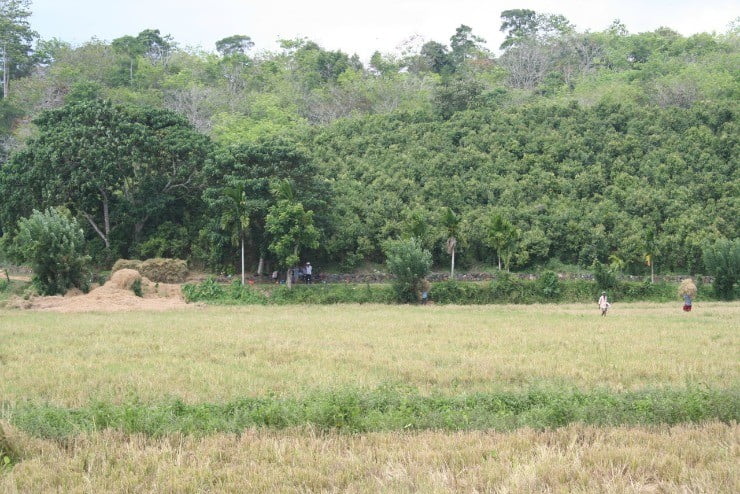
pixel 208 290
pixel 164 270
pixel 549 285
pixel 136 287
pixel 722 261
pixel 53 243
pixel 605 277
pixel 410 264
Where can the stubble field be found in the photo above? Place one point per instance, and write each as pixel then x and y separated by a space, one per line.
pixel 369 398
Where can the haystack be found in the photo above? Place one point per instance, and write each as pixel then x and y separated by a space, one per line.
pixel 687 287
pixel 124 279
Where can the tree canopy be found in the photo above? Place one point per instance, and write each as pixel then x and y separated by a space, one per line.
pixel 591 145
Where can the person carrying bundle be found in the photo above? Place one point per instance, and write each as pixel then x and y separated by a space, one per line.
pixel 687 290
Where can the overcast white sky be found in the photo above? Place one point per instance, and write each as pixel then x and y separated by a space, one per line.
pixel 354 27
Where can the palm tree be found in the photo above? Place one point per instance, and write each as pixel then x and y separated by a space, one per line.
pixel 235 218
pixel 502 237
pixel 451 222
pixel 651 251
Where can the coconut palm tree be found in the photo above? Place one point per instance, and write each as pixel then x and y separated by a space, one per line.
pixel 451 223
pixel 235 218
pixel 502 237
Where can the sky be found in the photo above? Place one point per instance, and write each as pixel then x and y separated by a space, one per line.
pixel 354 27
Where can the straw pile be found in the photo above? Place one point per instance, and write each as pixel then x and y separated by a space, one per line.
pixel 116 295
pixel 687 287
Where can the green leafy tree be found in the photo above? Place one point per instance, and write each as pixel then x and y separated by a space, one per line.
pixel 16 37
pixel 722 260
pixel 235 218
pixel 410 263
pixel 237 44
pixel 253 167
pixel 518 24
pixel 503 237
pixel 651 252
pixel 437 58
pixel 54 244
pixel 131 49
pixel 115 166
pixel 291 226
pixel 465 46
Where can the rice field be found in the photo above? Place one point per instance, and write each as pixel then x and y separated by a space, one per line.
pixel 208 356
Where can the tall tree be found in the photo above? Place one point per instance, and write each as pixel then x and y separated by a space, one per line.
pixel 255 166
pixel 131 48
pixel 518 24
pixel 465 45
pixel 502 237
pixel 235 218
pixel 16 37
pixel 112 165
pixel 291 226
pixel 451 223
pixel 237 44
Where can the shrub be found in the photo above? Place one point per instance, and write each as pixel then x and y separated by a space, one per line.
pixel 410 263
pixel 208 290
pixel 53 243
pixel 604 276
pixel 722 261
pixel 549 285
pixel 164 270
pixel 136 287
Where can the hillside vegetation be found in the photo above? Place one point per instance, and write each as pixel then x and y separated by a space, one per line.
pixel 605 147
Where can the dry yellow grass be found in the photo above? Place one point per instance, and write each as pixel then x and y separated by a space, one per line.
pixel 575 459
pixel 217 354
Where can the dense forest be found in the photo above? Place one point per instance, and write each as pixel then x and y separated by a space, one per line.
pixel 573 147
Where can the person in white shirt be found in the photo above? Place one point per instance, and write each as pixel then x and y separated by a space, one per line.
pixel 308 272
pixel 604 304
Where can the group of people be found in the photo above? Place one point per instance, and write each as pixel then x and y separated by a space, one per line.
pixel 299 273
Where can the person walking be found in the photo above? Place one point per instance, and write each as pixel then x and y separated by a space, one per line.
pixel 425 287
pixel 308 273
pixel 687 290
pixel 604 303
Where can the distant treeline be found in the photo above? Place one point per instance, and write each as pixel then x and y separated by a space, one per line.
pixel 605 147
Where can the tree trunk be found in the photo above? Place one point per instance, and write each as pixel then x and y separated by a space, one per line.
pixel 102 235
pixel 138 228
pixel 452 267
pixel 261 265
pixel 289 278
pixel 652 272
pixel 243 280
pixel 6 77
pixel 499 262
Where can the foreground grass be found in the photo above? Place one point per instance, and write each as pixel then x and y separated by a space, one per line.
pixel 223 354
pixel 387 410
pixel 577 459
pixel 260 399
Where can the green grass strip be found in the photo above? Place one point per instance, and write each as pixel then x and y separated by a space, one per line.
pixel 387 409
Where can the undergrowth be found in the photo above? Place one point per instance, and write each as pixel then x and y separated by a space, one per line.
pixel 387 408
pixel 505 289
